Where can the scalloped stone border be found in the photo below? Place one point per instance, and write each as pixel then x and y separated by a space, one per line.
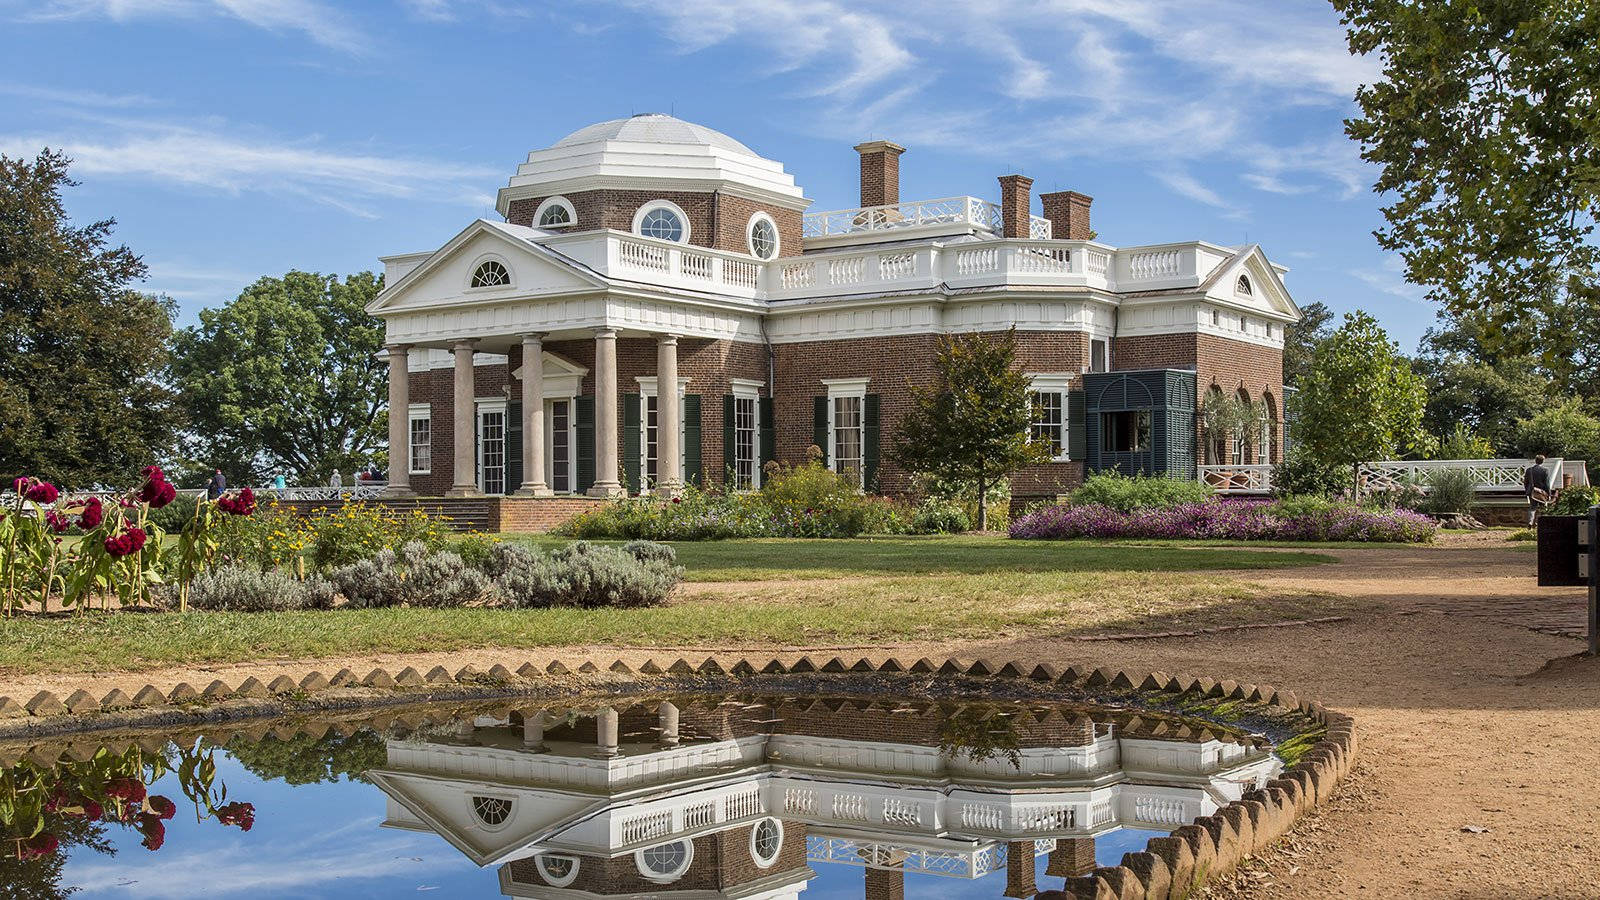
pixel 1168 867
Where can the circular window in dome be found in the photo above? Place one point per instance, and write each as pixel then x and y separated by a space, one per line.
pixel 491 274
pixel 766 839
pixel 763 236
pixel 662 220
pixel 491 811
pixel 665 862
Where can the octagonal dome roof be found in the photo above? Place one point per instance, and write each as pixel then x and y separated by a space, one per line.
pixel 653 128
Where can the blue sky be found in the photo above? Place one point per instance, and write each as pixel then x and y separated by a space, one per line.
pixel 236 138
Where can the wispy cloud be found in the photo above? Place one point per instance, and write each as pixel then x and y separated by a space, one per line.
pixel 324 24
pixel 77 97
pixel 1390 278
pixel 1186 185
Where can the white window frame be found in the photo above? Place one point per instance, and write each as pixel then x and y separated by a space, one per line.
pixel 847 389
pixel 564 203
pixel 472 272
pixel 646 209
pixel 511 809
pixel 553 881
pixel 766 862
pixel 491 405
pixel 665 877
pixel 744 389
pixel 1104 343
pixel 1060 384
pixel 649 389
pixel 418 412
pixel 750 235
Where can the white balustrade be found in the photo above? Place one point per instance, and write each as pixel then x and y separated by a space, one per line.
pixel 637 255
pixel 1239 479
pixel 1042 259
pixel 346 494
pixel 1097 262
pixel 800 800
pixel 696 265
pixel 896 266
pixel 1154 264
pixel 975 262
pixel 850 807
pixel 798 275
pixel 647 827
pixel 849 270
pixel 901 812
pixel 1488 475
pixel 743 805
pixel 739 272
pixel 700 815
pixel 985 816
pixel 1039 228
pixel 967 211
pixel 1161 811
pixel 1101 812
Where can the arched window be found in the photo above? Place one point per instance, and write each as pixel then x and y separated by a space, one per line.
pixel 555 212
pixel 665 862
pixel 491 811
pixel 490 273
pixel 1216 444
pixel 762 234
pixel 1269 429
pixel 1241 436
pixel 766 839
pixel 557 871
pixel 1242 286
pixel 662 219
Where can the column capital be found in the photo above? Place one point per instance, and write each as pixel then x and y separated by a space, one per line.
pixel 464 344
pixel 605 332
pixel 535 337
pixel 667 338
pixel 397 349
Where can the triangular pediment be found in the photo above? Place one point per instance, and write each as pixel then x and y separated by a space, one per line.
pixel 1266 292
pixel 444 278
pixel 445 807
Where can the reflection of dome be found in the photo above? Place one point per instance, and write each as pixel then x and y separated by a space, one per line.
pixel 653 128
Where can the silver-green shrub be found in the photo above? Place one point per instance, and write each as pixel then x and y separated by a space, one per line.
pixel 414 576
pixel 248 589
pixel 592 575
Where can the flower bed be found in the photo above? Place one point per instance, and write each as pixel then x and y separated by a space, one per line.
pixel 1238 520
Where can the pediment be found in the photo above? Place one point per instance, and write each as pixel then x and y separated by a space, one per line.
pixel 445 806
pixel 444 279
pixel 1267 293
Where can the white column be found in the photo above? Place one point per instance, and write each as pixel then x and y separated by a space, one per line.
pixel 399 422
pixel 605 415
pixel 667 716
pixel 533 418
pixel 669 416
pixel 463 402
pixel 606 734
pixel 533 730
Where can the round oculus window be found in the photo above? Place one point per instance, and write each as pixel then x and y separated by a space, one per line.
pixel 766 839
pixel 662 223
pixel 763 239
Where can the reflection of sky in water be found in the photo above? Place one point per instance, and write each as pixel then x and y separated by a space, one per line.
pixel 323 840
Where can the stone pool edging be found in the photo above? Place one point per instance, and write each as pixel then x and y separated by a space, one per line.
pixel 1168 868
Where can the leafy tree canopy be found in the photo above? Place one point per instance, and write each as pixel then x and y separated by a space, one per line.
pixel 1361 401
pixel 1300 340
pixel 971 425
pixel 1483 123
pixel 286 378
pixel 79 400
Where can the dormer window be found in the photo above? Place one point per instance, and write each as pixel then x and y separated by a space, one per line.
pixel 662 220
pixel 555 212
pixel 491 273
pixel 1242 286
pixel 763 236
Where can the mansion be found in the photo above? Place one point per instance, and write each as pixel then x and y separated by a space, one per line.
pixel 659 306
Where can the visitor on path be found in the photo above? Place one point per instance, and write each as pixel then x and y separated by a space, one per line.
pixel 278 482
pixel 217 486
pixel 1536 484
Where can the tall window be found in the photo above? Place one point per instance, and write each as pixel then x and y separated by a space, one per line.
pixel 561 446
pixel 847 436
pixel 1241 440
pixel 421 449
pixel 1049 421
pixel 1098 356
pixel 651 436
pixel 1125 432
pixel 492 448
pixel 745 429
pixel 490 274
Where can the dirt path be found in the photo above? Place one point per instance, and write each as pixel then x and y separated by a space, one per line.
pixel 1462 722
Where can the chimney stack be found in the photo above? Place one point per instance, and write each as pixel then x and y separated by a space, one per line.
pixel 1016 201
pixel 880 172
pixel 1068 212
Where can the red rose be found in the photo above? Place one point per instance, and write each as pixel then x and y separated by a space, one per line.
pixel 154 473
pixel 42 492
pixel 165 495
pixel 38 846
pixel 161 806
pixel 93 514
pixel 129 789
pixel 240 814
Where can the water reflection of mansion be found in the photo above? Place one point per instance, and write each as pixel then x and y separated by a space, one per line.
pixel 740 798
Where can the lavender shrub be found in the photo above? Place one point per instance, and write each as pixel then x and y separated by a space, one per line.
pixel 1234 520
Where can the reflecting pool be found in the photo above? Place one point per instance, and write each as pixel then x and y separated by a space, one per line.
pixel 693 795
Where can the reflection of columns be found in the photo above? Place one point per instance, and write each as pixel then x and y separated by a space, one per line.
pixel 533 730
pixel 605 726
pixel 399 422
pixel 1071 857
pixel 669 418
pixel 465 729
pixel 533 418
pixel 1019 870
pixel 605 415
pixel 463 402
pixel 667 716
pixel 886 884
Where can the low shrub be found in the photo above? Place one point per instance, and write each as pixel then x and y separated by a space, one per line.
pixel 176 516
pixel 244 588
pixel 965 495
pixel 937 515
pixel 1130 492
pixel 1574 501
pixel 414 576
pixel 1449 491
pixel 590 575
pixel 356 531
pixel 1302 474
pixel 1243 520
pixel 1409 492
pixel 1521 534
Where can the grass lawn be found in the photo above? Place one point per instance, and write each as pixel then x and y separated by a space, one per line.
pixel 738 592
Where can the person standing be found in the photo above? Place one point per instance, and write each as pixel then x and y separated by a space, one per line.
pixel 1536 485
pixel 217 486
pixel 335 481
pixel 278 482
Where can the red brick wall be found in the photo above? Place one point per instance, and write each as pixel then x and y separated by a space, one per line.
pixel 716 219
pixel 1068 212
pixel 1015 202
pixel 880 172
pixel 722 862
pixel 1226 363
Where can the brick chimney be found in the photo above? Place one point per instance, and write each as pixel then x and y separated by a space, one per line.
pixel 885 884
pixel 1068 212
pixel 1020 883
pixel 1016 200
pixel 1071 857
pixel 880 172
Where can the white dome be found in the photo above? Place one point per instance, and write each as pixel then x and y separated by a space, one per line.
pixel 653 128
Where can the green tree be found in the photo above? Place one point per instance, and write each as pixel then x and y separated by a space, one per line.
pixel 80 402
pixel 286 378
pixel 1361 401
pixel 1478 387
pixel 1300 340
pixel 1563 430
pixel 972 424
pixel 1483 123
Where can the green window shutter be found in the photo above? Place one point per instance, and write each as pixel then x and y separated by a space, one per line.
pixel 729 455
pixel 819 426
pixel 631 408
pixel 769 431
pixel 692 463
pixel 1077 418
pixel 869 442
pixel 513 447
pixel 583 422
